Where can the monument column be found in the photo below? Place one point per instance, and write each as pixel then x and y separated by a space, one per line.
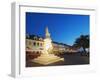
pixel 47 41
pixel 45 58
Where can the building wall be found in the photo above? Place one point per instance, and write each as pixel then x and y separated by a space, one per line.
pixel 34 45
pixel 37 43
pixel 38 46
pixel 58 47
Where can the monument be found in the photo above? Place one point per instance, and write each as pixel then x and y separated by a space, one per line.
pixel 46 57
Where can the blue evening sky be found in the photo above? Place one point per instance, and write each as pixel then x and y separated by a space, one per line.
pixel 64 28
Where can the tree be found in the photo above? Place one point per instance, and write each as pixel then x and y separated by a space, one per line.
pixel 82 41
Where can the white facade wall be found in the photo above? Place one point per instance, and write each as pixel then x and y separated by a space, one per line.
pixel 34 45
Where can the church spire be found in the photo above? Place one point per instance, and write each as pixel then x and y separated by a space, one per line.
pixel 47 34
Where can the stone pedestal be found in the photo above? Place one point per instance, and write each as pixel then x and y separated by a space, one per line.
pixel 46 59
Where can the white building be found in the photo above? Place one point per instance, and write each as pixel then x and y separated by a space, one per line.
pixel 35 44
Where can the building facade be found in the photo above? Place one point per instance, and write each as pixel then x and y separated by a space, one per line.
pixel 36 45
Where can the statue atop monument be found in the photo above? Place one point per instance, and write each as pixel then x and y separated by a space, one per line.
pixel 47 41
pixel 47 34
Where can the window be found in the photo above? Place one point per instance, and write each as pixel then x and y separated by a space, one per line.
pixel 37 44
pixel 34 43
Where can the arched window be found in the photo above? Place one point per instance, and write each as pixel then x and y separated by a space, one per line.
pixel 38 44
pixel 34 43
pixel 40 39
pixel 37 52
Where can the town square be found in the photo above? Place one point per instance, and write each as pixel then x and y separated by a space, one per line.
pixel 60 39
